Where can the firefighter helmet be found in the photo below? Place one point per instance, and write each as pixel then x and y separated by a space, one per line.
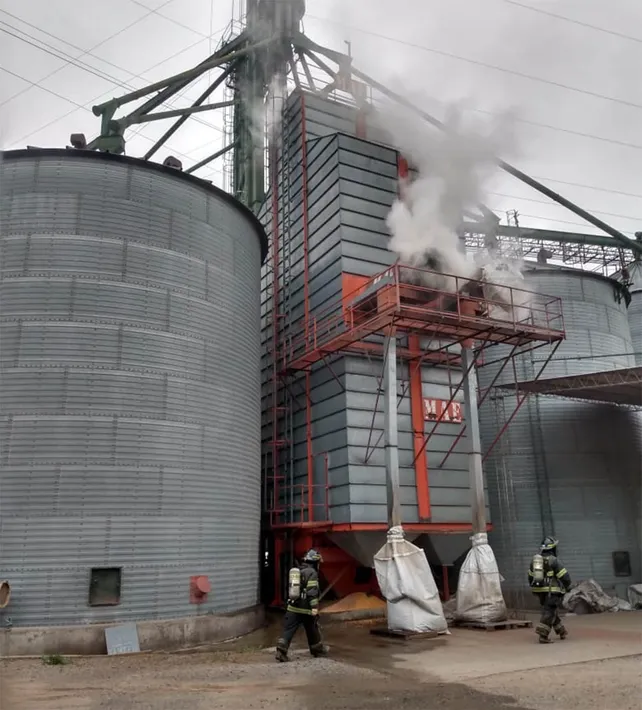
pixel 549 544
pixel 312 557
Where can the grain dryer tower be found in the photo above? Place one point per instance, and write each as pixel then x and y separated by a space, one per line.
pixel 331 293
pixel 130 394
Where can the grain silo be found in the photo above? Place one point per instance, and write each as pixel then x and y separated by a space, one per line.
pixel 130 392
pixel 567 467
pixel 635 310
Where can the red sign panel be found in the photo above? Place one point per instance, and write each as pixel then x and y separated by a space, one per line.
pixel 435 409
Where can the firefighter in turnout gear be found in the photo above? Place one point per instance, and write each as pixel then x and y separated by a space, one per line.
pixel 303 607
pixel 549 581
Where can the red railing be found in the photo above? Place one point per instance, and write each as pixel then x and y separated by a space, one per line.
pixel 303 504
pixel 399 296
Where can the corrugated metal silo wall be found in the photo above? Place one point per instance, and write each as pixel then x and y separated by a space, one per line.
pixel 635 312
pixel 130 390
pixel 351 186
pixel 635 323
pixel 567 467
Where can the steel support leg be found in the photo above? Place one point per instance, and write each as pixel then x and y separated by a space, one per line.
pixel 391 433
pixel 474 452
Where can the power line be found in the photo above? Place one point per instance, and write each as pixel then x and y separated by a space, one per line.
pixel 61 40
pixel 158 12
pixel 100 96
pixel 113 36
pixel 479 63
pixel 588 187
pixel 44 88
pixel 549 219
pixel 85 67
pixel 65 57
pixel 540 11
pixel 552 204
pixel 569 131
pixel 80 106
pixel 76 61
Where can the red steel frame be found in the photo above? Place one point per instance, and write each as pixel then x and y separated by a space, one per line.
pixel 395 298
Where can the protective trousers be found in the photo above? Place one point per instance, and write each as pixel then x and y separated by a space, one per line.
pixel 550 618
pixel 291 623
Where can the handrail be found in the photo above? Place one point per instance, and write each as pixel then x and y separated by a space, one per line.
pixel 523 309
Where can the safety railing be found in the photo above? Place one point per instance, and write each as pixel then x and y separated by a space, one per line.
pixel 414 295
pixel 303 504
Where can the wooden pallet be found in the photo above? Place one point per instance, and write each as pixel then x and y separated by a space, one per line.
pixel 385 632
pixel 496 625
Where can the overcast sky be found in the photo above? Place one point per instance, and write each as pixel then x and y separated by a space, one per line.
pixel 574 83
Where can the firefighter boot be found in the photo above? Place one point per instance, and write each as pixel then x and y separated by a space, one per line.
pixel 319 649
pixel 561 631
pixel 281 651
pixel 543 631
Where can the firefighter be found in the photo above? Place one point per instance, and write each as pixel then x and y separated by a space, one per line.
pixel 549 581
pixel 303 608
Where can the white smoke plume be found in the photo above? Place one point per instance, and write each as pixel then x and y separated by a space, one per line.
pixel 266 116
pixel 452 168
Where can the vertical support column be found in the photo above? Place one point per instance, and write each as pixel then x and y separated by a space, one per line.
pixel 445 583
pixel 278 576
pixel 472 426
pixel 391 431
pixel 417 422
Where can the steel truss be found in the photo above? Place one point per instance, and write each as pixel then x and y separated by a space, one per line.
pixel 622 387
pixel 586 251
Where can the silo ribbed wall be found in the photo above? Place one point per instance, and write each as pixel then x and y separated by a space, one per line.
pixel 130 388
pixel 635 311
pixel 567 467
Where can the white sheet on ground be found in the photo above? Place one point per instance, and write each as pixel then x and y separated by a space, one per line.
pixel 479 591
pixel 634 594
pixel 589 597
pixel 407 584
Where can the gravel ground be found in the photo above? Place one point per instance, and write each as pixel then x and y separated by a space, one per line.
pixel 612 684
pixel 251 681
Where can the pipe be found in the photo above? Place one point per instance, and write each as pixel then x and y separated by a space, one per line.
pixel 184 77
pixel 475 453
pixel 391 440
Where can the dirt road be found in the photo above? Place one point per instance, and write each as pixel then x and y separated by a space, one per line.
pixel 363 674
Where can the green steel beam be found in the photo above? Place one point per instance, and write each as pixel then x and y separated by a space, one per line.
pixel 199 101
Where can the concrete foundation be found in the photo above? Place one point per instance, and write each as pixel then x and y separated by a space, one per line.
pixel 165 635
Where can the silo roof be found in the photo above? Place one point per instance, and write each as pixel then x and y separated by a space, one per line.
pixel 147 165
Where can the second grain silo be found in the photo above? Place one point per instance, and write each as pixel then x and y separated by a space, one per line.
pixel 567 467
pixel 130 396
pixel 635 310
